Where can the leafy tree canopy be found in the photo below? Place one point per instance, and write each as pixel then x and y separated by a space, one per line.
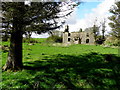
pixel 38 16
pixel 115 20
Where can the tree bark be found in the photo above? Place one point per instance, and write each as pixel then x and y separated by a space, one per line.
pixel 14 61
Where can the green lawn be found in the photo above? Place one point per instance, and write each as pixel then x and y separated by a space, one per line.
pixel 75 66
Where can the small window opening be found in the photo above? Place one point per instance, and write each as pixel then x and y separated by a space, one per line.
pixel 87 40
pixel 87 35
pixel 68 34
pixel 68 39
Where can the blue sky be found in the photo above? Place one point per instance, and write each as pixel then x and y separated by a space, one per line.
pixel 85 15
pixel 86 7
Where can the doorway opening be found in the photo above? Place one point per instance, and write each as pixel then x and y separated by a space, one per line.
pixel 87 40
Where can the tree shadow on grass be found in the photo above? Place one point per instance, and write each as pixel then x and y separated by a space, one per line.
pixel 91 70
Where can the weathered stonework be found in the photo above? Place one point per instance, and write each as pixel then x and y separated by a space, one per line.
pixel 85 37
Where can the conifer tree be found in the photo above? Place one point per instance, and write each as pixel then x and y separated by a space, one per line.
pixel 38 17
pixel 115 20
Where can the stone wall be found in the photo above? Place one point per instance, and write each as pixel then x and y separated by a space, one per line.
pixel 85 37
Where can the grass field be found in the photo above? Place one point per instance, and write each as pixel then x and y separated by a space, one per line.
pixel 70 67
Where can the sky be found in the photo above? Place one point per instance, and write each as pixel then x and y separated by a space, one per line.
pixel 85 15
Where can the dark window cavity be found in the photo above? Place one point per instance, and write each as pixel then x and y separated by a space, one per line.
pixel 87 40
pixel 87 35
pixel 68 39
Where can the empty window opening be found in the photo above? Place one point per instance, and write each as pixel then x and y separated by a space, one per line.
pixel 87 35
pixel 68 39
pixel 68 34
pixel 87 40
pixel 79 41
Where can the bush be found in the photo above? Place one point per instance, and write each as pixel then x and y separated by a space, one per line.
pixel 100 40
pixel 5 37
pixel 54 39
pixel 112 42
pixel 29 40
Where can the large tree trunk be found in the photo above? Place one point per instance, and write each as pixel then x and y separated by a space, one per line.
pixel 14 61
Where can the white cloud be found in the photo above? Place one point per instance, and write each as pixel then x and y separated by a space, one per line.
pixel 101 12
pixel 44 35
pixel 72 19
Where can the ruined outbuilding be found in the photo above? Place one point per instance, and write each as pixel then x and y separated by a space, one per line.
pixel 82 37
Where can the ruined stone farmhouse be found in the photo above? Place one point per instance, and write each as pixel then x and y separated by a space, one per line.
pixel 83 37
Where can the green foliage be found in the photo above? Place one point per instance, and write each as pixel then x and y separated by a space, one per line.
pixel 29 40
pixel 38 16
pixel 54 39
pixel 95 29
pixel 5 37
pixel 114 42
pixel 40 40
pixel 80 30
pixel 100 39
pixel 115 20
pixel 103 29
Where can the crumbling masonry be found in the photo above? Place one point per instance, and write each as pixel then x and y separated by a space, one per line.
pixel 84 37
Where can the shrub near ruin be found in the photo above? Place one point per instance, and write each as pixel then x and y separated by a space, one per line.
pixel 54 39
